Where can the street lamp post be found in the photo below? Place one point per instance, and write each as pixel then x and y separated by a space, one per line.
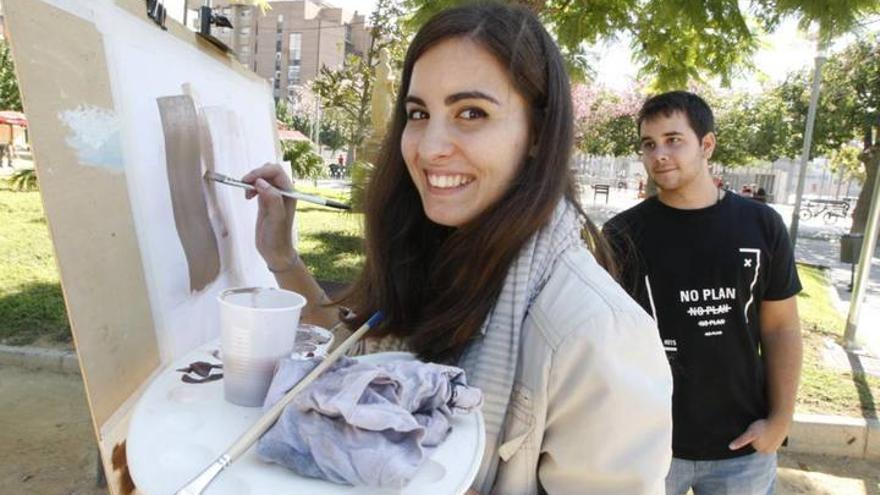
pixel 808 136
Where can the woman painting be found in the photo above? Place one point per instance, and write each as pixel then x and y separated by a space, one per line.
pixel 479 254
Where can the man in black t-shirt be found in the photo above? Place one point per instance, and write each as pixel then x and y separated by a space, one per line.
pixel 717 273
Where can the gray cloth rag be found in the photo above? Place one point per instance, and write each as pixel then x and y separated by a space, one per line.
pixel 363 424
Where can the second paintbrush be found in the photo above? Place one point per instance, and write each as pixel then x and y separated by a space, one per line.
pixel 224 179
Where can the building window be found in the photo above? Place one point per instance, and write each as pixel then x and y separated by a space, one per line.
pixel 295 48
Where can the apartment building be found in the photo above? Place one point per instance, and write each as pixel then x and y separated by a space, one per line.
pixel 290 42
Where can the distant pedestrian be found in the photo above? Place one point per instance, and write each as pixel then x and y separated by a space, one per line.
pixel 760 195
pixel 717 273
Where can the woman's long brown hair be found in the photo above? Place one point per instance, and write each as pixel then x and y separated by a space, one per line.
pixel 437 284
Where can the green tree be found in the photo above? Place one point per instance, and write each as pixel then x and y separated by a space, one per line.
pixel 854 103
pixel 773 127
pixel 345 93
pixel 605 120
pixel 24 180
pixel 750 128
pixel 849 109
pixel 677 41
pixel 735 129
pixel 341 94
pixel 844 162
pixel 10 98
pixel 304 162
pixel 283 114
pixel 331 136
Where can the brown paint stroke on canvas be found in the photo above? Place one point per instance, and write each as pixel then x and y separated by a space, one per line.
pixel 183 163
pixel 224 140
pixel 207 146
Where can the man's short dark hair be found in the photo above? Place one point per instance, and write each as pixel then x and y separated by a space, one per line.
pixel 697 111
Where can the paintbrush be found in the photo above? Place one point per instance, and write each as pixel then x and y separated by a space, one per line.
pixel 229 181
pixel 200 482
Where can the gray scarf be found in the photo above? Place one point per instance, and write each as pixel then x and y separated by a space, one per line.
pixel 491 360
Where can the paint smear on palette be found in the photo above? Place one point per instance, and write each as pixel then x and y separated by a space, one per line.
pixel 119 462
pixel 183 164
pixel 94 136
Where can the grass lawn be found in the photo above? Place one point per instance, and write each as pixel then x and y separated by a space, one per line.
pixel 32 308
pixel 31 304
pixel 330 241
pixel 824 390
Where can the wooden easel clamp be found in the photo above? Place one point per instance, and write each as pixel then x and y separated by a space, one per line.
pixel 207 17
pixel 156 11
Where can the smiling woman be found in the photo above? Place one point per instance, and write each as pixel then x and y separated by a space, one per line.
pixel 461 104
pixel 479 254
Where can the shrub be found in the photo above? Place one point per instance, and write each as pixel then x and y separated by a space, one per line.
pixel 24 180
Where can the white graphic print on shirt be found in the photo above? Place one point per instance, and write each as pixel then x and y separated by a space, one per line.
pixel 747 263
pixel 709 306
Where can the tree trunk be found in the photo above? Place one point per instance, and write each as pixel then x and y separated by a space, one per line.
pixel 871 158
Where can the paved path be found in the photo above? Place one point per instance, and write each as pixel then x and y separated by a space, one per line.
pixel 817 244
pixel 47 445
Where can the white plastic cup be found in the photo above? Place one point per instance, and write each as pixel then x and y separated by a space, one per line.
pixel 258 327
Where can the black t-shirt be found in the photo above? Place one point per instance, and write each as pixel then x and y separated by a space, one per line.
pixel 702 274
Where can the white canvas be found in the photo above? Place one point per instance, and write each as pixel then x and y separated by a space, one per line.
pixel 146 63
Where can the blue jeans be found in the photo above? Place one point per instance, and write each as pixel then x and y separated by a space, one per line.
pixel 753 474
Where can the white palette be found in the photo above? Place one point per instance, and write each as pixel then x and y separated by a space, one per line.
pixel 178 429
